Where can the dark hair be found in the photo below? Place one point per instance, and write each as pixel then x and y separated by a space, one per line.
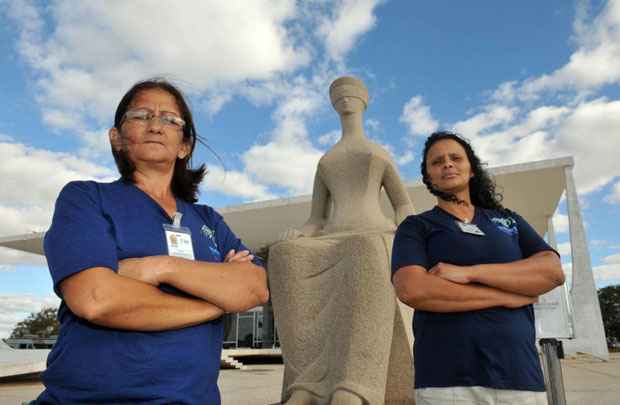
pixel 481 187
pixel 185 180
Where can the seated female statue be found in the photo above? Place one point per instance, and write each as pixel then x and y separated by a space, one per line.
pixel 338 320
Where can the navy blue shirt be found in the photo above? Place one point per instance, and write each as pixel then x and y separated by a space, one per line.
pixel 493 347
pixel 96 225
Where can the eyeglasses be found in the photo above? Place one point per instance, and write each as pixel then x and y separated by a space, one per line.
pixel 145 116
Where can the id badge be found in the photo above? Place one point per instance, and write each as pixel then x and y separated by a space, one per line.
pixel 179 239
pixel 471 229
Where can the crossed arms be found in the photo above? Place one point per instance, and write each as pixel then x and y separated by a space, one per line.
pixel 451 288
pixel 131 300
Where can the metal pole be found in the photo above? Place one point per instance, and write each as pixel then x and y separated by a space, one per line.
pixel 254 329
pixel 554 382
pixel 237 331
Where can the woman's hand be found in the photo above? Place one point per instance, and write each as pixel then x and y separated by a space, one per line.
pixel 451 272
pixel 241 256
pixel 146 269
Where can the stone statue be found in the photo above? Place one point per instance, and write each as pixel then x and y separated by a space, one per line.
pixel 345 337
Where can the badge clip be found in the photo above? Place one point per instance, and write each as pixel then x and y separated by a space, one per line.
pixel 179 238
pixel 471 229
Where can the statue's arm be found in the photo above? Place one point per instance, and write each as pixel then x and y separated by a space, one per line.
pixel 319 208
pixel 397 193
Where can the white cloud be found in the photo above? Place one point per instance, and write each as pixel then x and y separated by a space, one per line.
pixel 31 217
pixel 406 158
pixel 560 223
pixel 593 64
pixel 96 146
pixel 612 259
pixel 288 159
pixel 217 101
pixel 60 119
pixel 235 183
pixel 605 274
pixel 608 272
pixel 32 179
pixel 509 130
pixel 590 134
pixel 295 172
pixel 614 196
pixel 587 131
pixel 329 138
pixel 373 125
pixel 492 116
pixel 417 116
pixel 605 243
pixel 505 92
pixel 96 51
pixel 564 249
pixel 15 308
pixel 542 118
pixel 349 20
pixel 84 56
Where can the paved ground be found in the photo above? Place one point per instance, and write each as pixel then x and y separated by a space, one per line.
pixel 587 381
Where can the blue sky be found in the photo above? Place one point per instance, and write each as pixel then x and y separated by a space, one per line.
pixel 523 80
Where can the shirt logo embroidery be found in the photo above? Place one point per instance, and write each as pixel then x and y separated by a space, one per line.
pixel 507 225
pixel 210 235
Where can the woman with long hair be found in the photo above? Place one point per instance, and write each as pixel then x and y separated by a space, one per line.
pixel 472 270
pixel 143 271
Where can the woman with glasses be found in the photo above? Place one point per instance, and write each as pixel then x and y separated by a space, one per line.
pixel 472 270
pixel 144 273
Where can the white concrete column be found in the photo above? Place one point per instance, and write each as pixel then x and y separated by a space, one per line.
pixel 551 240
pixel 588 322
pixel 561 294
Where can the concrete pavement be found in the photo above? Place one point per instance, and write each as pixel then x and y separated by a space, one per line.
pixel 588 381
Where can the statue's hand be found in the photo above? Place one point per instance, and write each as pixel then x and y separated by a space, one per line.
pixel 403 212
pixel 290 234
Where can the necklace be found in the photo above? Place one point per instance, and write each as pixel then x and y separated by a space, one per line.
pixel 468 220
pixel 461 218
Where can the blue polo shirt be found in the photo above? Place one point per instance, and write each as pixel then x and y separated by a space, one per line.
pixel 492 347
pixel 96 225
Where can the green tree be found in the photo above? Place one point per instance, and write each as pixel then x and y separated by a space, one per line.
pixel 42 324
pixel 609 299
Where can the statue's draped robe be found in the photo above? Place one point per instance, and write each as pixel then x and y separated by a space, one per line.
pixel 338 319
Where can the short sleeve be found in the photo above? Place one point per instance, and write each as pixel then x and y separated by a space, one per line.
pixel 80 237
pixel 530 241
pixel 409 245
pixel 227 240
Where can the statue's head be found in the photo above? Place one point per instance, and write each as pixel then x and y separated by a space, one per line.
pixel 348 95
